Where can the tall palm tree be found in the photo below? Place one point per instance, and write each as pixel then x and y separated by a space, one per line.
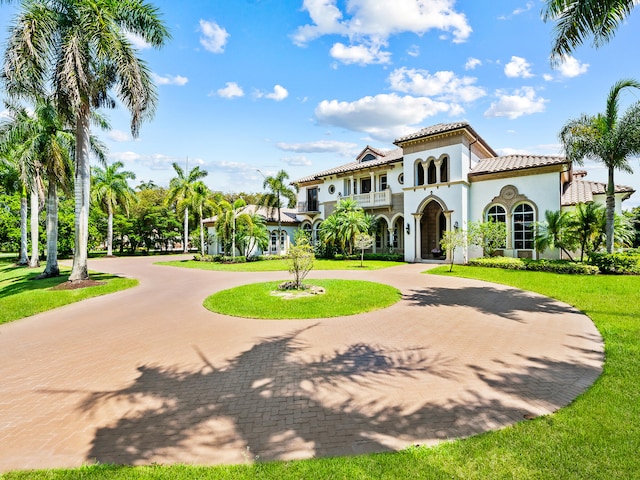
pixel 110 190
pixel 608 139
pixel 181 191
pixel 230 217
pixel 204 202
pixel 577 20
pixel 81 49
pixel 13 181
pixel 277 188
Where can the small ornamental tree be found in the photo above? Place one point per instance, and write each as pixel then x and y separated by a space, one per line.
pixel 452 239
pixel 489 235
pixel 363 241
pixel 301 259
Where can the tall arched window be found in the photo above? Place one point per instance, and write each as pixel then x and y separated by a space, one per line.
pixel 274 242
pixel 523 218
pixel 497 213
pixel 306 228
pixel 444 170
pixel 419 173
pixel 431 172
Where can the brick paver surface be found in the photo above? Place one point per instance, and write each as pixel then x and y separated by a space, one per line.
pixel 149 375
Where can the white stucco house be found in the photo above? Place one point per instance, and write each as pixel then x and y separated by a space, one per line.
pixel 441 178
pixel 290 221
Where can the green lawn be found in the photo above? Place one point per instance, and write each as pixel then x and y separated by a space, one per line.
pixel 22 296
pixel 341 297
pixel 596 437
pixel 282 265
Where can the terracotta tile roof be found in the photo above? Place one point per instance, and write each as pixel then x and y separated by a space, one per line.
pixel 390 156
pixel 515 162
pixel 288 216
pixel 582 191
pixel 444 128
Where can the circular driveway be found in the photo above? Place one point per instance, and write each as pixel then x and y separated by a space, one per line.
pixel 149 375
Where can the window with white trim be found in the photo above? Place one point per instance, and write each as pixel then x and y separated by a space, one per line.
pixel 523 235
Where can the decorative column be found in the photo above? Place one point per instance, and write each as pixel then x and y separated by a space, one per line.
pixel 438 163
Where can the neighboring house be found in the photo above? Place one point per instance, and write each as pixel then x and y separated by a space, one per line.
pixel 441 178
pixel 289 220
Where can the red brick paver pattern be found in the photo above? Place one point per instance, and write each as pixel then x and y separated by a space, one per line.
pixel 149 375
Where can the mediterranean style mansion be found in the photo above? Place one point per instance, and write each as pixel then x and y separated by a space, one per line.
pixel 437 179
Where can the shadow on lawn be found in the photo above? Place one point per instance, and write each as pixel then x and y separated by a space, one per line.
pixel 271 402
pixel 29 283
pixel 507 303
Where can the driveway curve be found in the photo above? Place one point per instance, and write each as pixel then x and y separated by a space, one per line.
pixel 149 375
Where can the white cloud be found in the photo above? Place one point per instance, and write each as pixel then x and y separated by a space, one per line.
pixel 278 94
pixel 119 136
pixel 414 51
pixel 571 67
pixel 178 80
pixel 472 63
pixel 372 22
pixel 231 90
pixel 214 37
pixel 518 67
pixel 359 54
pixel 547 77
pixel 529 5
pixel 156 161
pixel 384 117
pixel 522 102
pixel 137 41
pixel 444 85
pixel 345 149
pixel 299 161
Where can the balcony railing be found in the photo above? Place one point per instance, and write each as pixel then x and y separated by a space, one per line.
pixel 305 207
pixel 374 199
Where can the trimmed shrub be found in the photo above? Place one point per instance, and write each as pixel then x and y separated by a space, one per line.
pixel 219 258
pixel 508 263
pixel 616 263
pixel 555 266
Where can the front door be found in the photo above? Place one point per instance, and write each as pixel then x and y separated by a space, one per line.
pixel 432 226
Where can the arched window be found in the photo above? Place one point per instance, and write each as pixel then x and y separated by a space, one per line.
pixel 431 172
pixel 306 228
pixel 274 242
pixel 497 213
pixel 523 218
pixel 444 170
pixel 419 174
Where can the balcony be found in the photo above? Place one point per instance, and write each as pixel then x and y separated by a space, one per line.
pixel 308 207
pixel 373 199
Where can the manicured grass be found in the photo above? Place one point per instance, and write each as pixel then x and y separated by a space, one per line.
pixel 596 437
pixel 282 265
pixel 341 297
pixel 22 296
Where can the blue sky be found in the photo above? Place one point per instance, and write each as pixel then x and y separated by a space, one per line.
pixel 305 85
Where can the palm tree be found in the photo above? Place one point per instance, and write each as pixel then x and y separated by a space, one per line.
pixel 230 219
pixel 13 182
pixel 277 188
pixel 587 221
pixel 607 139
pixel 110 189
pixel 556 232
pixel 81 49
pixel 204 203
pixel 181 190
pixel 576 20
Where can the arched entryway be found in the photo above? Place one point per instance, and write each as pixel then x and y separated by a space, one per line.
pixel 433 224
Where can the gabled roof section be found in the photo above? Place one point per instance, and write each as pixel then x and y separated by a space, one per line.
pixel 582 191
pixel 442 129
pixel 511 163
pixel 368 152
pixel 385 157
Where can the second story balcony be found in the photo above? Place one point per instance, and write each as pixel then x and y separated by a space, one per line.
pixel 373 199
pixel 308 207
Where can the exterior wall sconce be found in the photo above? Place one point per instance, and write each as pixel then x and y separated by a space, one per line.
pixel 408 229
pixel 456 225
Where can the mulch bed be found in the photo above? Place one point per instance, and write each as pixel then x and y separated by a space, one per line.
pixel 77 284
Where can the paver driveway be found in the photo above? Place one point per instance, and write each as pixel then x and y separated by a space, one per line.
pixel 149 375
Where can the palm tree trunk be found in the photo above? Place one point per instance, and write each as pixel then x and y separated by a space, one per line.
pixel 24 256
pixel 35 210
pixel 109 231
pixel 52 269
pixel 79 271
pixel 201 233
pixel 611 207
pixel 186 229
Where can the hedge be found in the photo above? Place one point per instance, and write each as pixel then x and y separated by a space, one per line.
pixel 616 263
pixel 555 266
